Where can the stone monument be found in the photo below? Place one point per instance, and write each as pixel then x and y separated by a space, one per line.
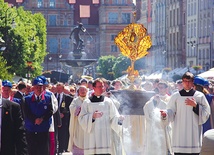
pixel 77 59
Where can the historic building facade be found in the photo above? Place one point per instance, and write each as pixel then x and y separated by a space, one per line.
pixel 181 30
pixel 113 17
pixel 101 19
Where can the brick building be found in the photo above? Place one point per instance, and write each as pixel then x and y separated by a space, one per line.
pixel 102 20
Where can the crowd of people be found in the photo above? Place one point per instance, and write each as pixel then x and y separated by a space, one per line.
pixel 41 118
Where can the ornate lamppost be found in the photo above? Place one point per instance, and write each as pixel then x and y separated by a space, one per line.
pixel 29 69
pixel 48 59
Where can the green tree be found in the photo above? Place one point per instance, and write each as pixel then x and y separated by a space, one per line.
pixel 111 67
pixel 4 70
pixel 105 65
pixel 24 43
pixel 122 63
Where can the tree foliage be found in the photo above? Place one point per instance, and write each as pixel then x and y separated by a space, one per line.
pixel 105 65
pixel 111 67
pixel 4 70
pixel 121 65
pixel 24 43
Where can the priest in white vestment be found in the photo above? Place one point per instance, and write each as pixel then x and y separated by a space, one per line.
pixel 97 117
pixel 76 138
pixel 188 110
pixel 156 137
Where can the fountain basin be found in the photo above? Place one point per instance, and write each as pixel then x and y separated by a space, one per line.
pixel 78 62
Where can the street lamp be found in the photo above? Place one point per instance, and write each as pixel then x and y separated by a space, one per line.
pixel 59 57
pixel 164 58
pixel 48 59
pixel 207 66
pixel 29 68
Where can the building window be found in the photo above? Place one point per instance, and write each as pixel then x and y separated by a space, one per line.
pixel 65 21
pixel 19 1
pixel 39 3
pixel 65 42
pixel 192 28
pixel 84 11
pixel 52 3
pixel 144 6
pixel 52 20
pixel 188 10
pixel 95 1
pixel 72 1
pixel 208 26
pixel 115 2
pixel 123 2
pixel 207 54
pixel 191 9
pixel 112 37
pixel 126 18
pixel 194 9
pixel 113 48
pixel 53 45
pixel 194 34
pixel 112 17
pixel 189 31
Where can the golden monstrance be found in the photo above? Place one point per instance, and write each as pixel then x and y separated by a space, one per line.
pixel 133 42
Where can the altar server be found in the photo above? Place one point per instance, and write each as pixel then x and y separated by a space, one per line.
pixel 188 110
pixel 98 115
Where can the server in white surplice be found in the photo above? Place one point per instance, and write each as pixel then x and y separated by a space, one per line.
pixel 188 110
pixel 98 115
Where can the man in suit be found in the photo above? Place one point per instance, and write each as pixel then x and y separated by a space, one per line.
pixel 20 94
pixel 21 90
pixel 64 102
pixel 13 135
pixel 6 90
pixel 53 141
pixel 38 111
